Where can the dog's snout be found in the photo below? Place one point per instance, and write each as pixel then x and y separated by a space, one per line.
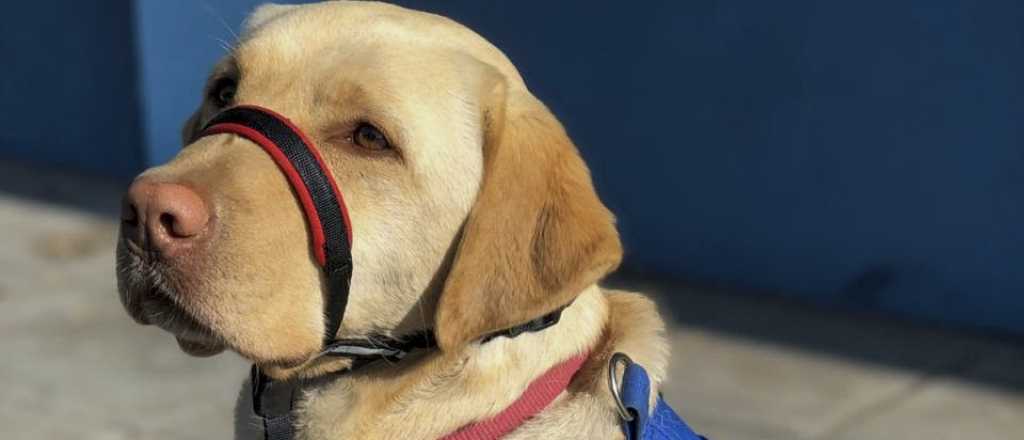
pixel 167 217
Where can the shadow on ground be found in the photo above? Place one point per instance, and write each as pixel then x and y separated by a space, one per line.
pixel 72 189
pixel 928 348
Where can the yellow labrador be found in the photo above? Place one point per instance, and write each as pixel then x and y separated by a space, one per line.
pixel 471 212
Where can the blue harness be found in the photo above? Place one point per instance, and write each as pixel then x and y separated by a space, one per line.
pixel 638 422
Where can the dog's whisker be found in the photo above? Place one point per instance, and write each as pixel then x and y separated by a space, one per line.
pixel 213 13
pixel 223 44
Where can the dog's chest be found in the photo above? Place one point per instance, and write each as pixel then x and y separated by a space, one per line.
pixel 330 414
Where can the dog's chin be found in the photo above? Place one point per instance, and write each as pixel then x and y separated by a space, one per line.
pixel 147 291
pixel 200 348
pixel 193 337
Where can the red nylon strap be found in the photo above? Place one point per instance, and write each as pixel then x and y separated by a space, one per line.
pixel 326 215
pixel 319 159
pixel 312 218
pixel 293 176
pixel 541 392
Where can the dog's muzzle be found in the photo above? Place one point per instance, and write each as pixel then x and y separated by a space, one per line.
pixel 314 186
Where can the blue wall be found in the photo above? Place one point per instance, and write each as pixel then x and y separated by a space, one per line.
pixel 67 85
pixel 865 153
pixel 861 153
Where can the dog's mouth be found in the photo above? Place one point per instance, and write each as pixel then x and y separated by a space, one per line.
pixel 148 291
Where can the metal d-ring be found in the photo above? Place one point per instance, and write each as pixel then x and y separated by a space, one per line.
pixel 613 383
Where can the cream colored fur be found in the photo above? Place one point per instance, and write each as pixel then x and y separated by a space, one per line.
pixel 404 402
pixel 484 216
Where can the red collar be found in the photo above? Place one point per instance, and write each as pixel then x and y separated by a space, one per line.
pixel 541 392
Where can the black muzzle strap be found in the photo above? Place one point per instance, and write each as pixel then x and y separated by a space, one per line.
pixel 311 181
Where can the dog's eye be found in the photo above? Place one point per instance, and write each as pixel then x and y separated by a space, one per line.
pixel 223 92
pixel 369 137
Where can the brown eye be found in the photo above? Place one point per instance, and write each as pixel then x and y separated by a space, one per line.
pixel 223 92
pixel 369 137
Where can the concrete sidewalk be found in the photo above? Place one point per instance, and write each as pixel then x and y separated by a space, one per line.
pixel 73 365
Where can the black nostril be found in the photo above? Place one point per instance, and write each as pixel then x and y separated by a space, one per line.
pixel 132 216
pixel 130 221
pixel 167 222
pixel 129 213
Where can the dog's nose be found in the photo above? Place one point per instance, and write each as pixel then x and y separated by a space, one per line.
pixel 164 216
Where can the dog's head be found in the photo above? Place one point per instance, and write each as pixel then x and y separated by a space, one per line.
pixel 471 210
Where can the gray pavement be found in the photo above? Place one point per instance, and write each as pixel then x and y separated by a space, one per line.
pixel 73 365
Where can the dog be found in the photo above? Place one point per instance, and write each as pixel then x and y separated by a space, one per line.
pixel 471 211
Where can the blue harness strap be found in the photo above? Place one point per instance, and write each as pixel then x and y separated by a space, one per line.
pixel 661 424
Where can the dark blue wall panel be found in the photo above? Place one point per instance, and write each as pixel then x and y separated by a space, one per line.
pixel 858 153
pixel 67 85
pixel 863 153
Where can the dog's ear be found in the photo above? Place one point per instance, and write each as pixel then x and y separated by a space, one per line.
pixel 537 234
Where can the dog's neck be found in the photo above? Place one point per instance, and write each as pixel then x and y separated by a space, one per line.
pixel 435 393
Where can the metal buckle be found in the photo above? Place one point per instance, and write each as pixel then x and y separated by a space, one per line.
pixel 613 383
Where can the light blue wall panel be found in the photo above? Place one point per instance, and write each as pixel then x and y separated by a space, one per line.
pixel 179 41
